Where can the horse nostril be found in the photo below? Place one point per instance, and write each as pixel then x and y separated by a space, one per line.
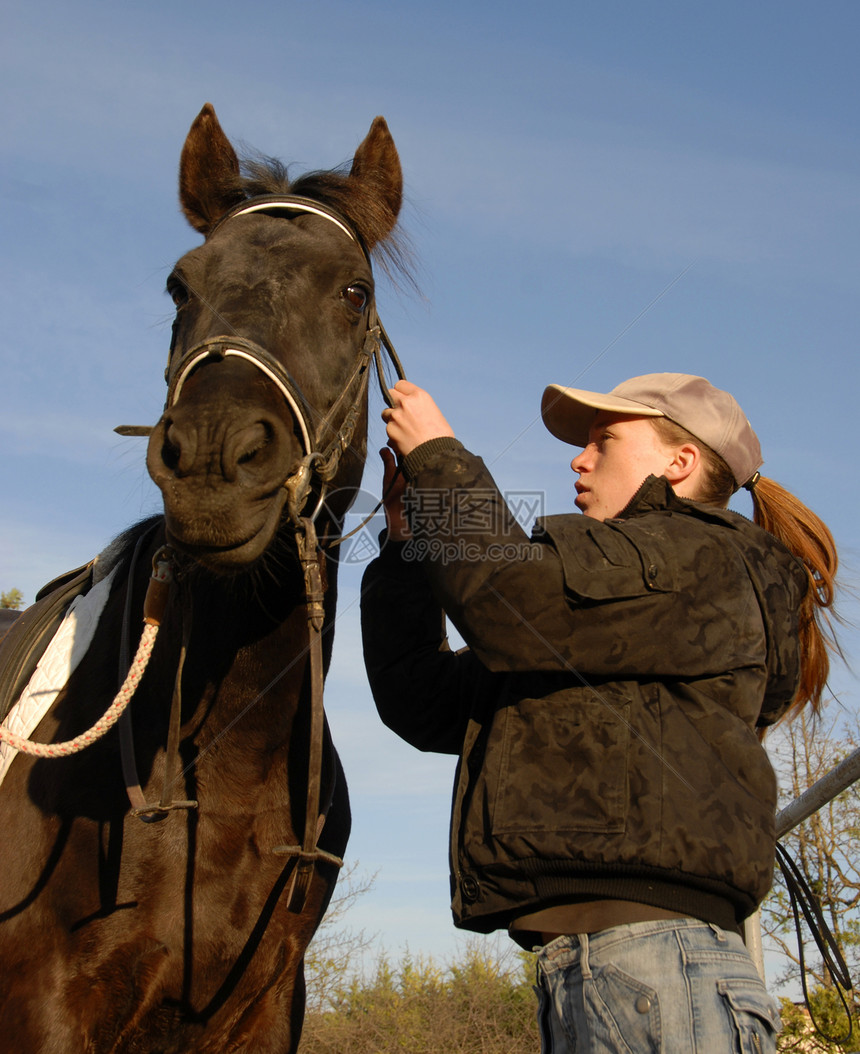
pixel 172 449
pixel 170 456
pixel 249 454
pixel 245 448
pixel 253 440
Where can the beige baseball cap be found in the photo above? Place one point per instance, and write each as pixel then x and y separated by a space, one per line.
pixel 711 415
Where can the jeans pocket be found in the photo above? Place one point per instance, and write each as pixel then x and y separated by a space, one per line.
pixel 753 1013
pixel 625 1013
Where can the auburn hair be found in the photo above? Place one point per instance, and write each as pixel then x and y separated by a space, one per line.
pixel 804 534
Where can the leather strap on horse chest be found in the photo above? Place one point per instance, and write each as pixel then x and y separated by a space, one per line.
pixel 156 598
pixel 309 852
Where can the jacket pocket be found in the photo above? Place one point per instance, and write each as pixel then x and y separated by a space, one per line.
pixel 560 763
pixel 603 561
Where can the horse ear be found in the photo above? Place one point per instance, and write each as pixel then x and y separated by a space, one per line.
pixel 208 173
pixel 377 165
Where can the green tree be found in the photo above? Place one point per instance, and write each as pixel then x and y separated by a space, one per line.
pixel 336 949
pixel 480 1004
pixel 799 1034
pixel 826 849
pixel 13 599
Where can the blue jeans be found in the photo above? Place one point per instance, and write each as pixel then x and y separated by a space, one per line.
pixel 678 986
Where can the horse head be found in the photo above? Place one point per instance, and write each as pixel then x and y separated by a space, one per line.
pixel 275 320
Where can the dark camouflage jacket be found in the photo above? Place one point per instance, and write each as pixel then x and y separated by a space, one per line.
pixel 605 710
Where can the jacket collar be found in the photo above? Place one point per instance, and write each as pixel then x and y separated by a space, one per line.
pixel 655 493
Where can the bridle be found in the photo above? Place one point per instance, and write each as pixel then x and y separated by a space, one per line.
pixel 318 463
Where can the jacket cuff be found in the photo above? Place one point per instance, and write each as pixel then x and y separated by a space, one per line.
pixel 416 459
pixel 394 557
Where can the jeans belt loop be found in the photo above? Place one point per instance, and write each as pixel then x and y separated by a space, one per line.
pixel 584 964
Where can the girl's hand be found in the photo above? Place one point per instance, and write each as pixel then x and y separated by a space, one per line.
pixel 393 488
pixel 414 419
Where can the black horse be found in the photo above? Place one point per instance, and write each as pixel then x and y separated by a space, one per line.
pixel 187 932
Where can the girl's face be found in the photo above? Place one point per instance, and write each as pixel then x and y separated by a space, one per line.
pixel 622 452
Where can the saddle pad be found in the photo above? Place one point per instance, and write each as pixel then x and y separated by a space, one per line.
pixel 62 656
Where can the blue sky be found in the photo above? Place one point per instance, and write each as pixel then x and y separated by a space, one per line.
pixel 594 190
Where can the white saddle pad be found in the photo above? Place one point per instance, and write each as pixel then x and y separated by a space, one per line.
pixel 62 656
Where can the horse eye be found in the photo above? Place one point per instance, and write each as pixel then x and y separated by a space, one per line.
pixel 356 296
pixel 178 292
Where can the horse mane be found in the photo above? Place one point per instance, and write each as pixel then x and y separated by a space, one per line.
pixel 356 200
pixel 122 547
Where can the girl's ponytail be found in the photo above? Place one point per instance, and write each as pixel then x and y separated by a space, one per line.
pixel 806 536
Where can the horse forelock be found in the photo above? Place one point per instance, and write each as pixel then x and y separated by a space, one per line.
pixel 357 201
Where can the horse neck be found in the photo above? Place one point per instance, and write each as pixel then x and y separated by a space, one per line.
pixel 248 641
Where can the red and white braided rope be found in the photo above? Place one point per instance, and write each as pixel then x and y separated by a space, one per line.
pixel 104 723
